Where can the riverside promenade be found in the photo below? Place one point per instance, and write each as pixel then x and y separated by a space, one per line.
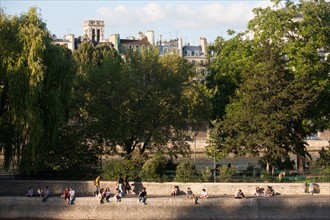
pixel 291 202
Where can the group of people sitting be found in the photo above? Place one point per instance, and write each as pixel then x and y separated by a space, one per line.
pixel 269 191
pixel 190 194
pixel 44 193
pixel 69 195
pixel 122 188
pixel 105 194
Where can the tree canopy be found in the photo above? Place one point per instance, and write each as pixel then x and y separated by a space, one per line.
pixel 283 87
pixel 144 103
pixel 36 79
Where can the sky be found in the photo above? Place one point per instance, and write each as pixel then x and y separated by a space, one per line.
pixel 188 20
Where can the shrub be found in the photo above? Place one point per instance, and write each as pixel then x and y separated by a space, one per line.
pixel 154 168
pixel 325 174
pixel 186 172
pixel 226 174
pixel 207 174
pixel 114 168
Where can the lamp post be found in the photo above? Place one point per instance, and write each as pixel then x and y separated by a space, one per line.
pixel 214 166
pixel 195 134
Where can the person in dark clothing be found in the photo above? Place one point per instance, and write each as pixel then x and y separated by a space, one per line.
pixel 143 196
pixel 127 186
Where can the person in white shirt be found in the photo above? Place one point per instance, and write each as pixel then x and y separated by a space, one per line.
pixel 204 194
pixel 72 196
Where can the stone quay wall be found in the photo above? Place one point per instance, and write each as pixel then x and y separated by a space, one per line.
pixel 86 188
pixel 291 202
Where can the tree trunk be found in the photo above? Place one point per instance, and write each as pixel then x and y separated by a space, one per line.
pixel 145 144
pixel 300 164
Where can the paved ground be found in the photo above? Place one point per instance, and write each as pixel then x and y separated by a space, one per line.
pixel 168 207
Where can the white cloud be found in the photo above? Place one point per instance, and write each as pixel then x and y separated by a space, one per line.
pixel 127 15
pixel 235 13
pixel 152 12
pixel 195 16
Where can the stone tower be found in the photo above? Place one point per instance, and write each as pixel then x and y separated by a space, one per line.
pixel 94 30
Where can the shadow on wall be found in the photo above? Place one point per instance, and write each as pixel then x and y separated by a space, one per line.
pixel 56 188
pixel 137 187
pixel 316 188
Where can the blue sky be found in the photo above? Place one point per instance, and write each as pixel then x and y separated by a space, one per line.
pixel 189 20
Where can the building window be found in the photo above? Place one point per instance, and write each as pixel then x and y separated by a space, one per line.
pixel 93 35
pixel 98 36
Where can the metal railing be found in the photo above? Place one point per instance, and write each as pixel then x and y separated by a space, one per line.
pixel 200 175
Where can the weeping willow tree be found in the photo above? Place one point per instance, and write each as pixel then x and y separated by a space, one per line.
pixel 35 86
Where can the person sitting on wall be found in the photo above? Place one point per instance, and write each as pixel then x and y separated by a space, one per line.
pixel 239 195
pixel 107 194
pixel 66 195
pixel 46 194
pixel 143 196
pixel 72 196
pixel 204 194
pixel 257 191
pixel 270 191
pixel 40 192
pixel 175 190
pixel 191 195
pixel 30 192
pixel 311 188
pixel 102 195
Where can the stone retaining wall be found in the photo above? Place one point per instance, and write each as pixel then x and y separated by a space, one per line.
pixel 86 188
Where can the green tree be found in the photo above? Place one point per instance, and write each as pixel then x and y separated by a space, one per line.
pixel 144 103
pixel 225 72
pixel 302 31
pixel 284 82
pixel 36 79
pixel 324 159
